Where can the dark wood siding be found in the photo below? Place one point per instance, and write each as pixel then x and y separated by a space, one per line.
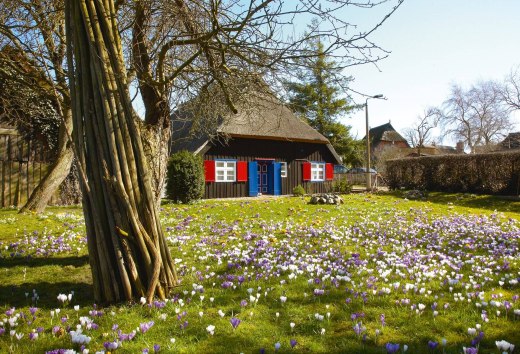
pixel 294 153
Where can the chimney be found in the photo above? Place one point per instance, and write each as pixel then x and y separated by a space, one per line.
pixel 459 147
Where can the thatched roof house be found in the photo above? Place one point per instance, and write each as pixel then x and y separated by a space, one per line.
pixel 264 148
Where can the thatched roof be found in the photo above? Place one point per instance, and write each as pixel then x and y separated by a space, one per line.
pixel 266 119
pixel 385 132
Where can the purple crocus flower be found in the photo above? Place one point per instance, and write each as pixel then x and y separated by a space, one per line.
pixel 432 344
pixel 293 343
pixel 159 304
pixel 144 327
pixel 235 322
pixel 10 311
pixel 382 318
pixel 110 346
pixel 227 284
pixel 243 303
pixel 156 348
pixel 392 348
pixel 33 310
pixel 125 337
pixel 319 292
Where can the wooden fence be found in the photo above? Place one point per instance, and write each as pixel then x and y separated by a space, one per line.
pixel 358 178
pixel 23 164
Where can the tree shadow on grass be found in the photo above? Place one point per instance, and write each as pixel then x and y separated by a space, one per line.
pixel 34 262
pixel 15 295
pixel 487 202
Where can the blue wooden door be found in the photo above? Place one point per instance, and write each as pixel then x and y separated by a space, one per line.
pixel 262 175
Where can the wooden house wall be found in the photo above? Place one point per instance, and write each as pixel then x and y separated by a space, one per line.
pixel 294 153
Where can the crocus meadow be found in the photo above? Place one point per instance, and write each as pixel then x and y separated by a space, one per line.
pixel 378 274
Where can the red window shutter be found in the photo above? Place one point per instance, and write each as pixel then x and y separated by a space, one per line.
pixel 209 170
pixel 329 172
pixel 306 171
pixel 241 171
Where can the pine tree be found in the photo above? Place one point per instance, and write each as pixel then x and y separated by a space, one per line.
pixel 315 95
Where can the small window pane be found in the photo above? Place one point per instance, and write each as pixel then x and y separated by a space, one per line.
pixel 225 171
pixel 283 169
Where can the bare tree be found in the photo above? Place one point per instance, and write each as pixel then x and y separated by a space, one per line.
pixel 181 50
pixel 490 116
pixel 207 52
pixel 456 118
pixel 32 57
pixel 510 89
pixel 476 116
pixel 421 130
pixel 211 52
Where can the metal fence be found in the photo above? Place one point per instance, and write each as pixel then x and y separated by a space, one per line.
pixel 23 164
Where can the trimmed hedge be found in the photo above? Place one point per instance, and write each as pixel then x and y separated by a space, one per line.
pixel 491 173
pixel 185 174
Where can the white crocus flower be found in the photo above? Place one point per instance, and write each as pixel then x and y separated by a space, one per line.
pixel 210 329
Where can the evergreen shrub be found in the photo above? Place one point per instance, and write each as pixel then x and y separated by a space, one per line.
pixel 185 175
pixel 341 186
pixel 298 191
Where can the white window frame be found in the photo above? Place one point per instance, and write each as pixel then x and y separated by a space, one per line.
pixel 283 169
pixel 317 169
pixel 225 171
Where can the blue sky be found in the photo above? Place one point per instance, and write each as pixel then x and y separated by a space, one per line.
pixel 433 44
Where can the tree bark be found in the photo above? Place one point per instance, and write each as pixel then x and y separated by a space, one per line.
pixel 58 171
pixel 157 151
pixel 128 254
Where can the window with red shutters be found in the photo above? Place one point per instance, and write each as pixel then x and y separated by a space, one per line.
pixel 209 170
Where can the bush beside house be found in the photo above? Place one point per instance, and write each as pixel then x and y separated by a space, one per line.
pixel 185 182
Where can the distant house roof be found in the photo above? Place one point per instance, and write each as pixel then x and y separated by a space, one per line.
pixel 512 141
pixel 267 119
pixel 442 149
pixel 385 132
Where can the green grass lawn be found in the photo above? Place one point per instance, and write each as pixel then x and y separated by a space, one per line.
pixel 377 269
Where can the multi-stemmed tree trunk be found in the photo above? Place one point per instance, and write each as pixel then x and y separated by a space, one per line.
pixel 127 249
